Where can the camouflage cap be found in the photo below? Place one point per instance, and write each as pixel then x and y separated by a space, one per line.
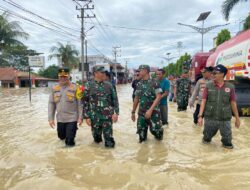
pixel 63 72
pixel 99 69
pixel 144 67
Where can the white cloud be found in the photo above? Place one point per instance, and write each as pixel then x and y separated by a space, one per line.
pixel 139 46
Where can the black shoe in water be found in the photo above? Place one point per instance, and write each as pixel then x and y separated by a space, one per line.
pixel 228 146
pixel 110 143
pixel 204 141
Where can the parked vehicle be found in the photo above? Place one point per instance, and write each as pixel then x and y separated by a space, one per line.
pixel 235 55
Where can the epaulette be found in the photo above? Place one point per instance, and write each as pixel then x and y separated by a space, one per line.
pixel 57 87
pixel 72 86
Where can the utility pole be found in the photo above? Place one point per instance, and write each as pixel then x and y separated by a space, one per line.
pixel 86 57
pixel 126 70
pixel 83 8
pixel 179 47
pixel 116 49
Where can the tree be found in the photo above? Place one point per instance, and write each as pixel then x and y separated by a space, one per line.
pixel 66 53
pixel 177 68
pixel 13 52
pixel 50 72
pixel 227 7
pixel 10 32
pixel 247 23
pixel 223 36
pixel 16 56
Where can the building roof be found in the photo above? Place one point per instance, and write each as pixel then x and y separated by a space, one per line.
pixel 8 73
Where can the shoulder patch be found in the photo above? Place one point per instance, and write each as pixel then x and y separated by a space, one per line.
pixel 56 87
pixel 72 87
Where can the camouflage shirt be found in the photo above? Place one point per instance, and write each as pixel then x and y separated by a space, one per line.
pixel 146 91
pixel 183 87
pixel 99 100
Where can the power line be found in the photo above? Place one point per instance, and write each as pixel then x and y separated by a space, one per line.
pixel 113 37
pixel 34 22
pixel 59 26
pixel 106 33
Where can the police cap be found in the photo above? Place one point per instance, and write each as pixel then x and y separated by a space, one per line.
pixel 63 72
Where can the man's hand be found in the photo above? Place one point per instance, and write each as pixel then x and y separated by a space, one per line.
pixel 174 99
pixel 237 123
pixel 200 121
pixel 148 114
pixel 52 124
pixel 79 121
pixel 133 117
pixel 191 105
pixel 114 117
pixel 88 121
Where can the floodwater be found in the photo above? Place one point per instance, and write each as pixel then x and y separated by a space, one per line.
pixel 31 156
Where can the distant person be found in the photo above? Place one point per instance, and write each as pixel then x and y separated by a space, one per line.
pixel 183 89
pixel 101 107
pixel 165 85
pixel 148 96
pixel 172 87
pixel 107 78
pixel 218 105
pixel 198 91
pixel 135 82
pixel 65 101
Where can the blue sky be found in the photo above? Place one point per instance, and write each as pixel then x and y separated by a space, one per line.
pixel 159 18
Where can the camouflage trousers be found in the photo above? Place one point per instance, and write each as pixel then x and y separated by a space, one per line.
pixel 101 127
pixel 182 102
pixel 211 127
pixel 154 124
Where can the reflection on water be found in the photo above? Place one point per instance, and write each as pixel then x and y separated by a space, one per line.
pixel 33 158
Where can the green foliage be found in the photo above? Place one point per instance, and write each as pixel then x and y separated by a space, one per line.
pixel 177 68
pixel 227 7
pixel 10 31
pixel 153 75
pixel 68 54
pixel 223 36
pixel 16 56
pixel 50 72
pixel 13 52
pixel 247 23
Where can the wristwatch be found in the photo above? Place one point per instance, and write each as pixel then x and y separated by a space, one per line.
pixel 133 112
pixel 199 116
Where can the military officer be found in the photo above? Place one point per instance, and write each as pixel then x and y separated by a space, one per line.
pixel 65 101
pixel 183 89
pixel 147 95
pixel 101 107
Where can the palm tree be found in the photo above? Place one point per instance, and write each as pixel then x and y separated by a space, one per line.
pixel 227 7
pixel 10 31
pixel 10 46
pixel 68 54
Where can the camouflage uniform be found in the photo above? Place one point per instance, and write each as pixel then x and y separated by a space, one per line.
pixel 182 93
pixel 100 102
pixel 147 91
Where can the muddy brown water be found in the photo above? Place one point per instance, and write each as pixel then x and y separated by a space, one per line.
pixel 31 156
